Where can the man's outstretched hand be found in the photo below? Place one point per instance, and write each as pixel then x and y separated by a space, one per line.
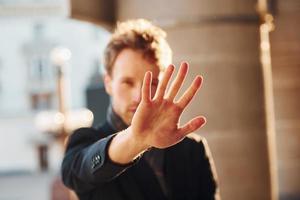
pixel 156 120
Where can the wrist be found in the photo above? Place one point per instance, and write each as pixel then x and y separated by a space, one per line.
pixel 126 147
pixel 137 142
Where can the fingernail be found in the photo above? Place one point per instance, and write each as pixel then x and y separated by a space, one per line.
pixel 198 80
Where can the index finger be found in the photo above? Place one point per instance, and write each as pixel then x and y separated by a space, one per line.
pixel 146 91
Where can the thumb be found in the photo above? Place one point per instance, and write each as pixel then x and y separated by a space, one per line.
pixel 192 125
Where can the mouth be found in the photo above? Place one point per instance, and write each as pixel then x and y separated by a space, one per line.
pixel 132 109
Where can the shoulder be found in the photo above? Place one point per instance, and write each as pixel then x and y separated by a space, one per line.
pixel 195 137
pixel 196 143
pixel 195 140
pixel 82 136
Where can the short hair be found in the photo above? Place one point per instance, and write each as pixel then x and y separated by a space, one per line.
pixel 140 35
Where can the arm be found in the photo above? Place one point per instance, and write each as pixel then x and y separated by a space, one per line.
pixel 208 175
pixel 86 163
pixel 202 172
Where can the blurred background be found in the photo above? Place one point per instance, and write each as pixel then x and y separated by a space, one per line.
pixel 247 50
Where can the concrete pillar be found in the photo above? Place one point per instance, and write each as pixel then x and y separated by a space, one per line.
pixel 285 49
pixel 220 39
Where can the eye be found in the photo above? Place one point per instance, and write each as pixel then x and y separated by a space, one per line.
pixel 127 82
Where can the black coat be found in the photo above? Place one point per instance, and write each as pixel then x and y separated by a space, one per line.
pixel 88 171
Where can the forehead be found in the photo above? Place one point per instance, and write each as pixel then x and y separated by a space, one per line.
pixel 132 63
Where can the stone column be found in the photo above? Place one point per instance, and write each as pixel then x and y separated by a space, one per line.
pixel 220 39
pixel 285 49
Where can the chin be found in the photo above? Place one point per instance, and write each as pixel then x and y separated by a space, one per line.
pixel 127 120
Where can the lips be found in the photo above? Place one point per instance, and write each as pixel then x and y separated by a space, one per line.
pixel 132 109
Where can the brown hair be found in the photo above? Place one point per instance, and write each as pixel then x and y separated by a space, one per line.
pixel 140 35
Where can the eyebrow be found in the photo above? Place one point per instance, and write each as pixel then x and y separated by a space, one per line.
pixel 154 80
pixel 127 78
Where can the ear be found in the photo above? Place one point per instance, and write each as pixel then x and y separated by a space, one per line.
pixel 107 83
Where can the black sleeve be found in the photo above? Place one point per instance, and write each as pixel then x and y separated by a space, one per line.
pixel 86 163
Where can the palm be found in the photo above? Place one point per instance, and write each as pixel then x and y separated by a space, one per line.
pixel 157 134
pixel 156 120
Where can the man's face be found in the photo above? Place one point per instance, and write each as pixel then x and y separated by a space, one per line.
pixel 125 82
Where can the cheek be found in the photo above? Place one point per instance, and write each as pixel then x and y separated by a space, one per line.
pixel 120 93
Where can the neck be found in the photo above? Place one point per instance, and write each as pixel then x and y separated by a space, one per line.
pixel 115 120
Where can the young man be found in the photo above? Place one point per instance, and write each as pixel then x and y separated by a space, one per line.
pixel 141 152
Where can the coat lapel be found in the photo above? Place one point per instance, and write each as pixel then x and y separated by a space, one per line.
pixel 147 181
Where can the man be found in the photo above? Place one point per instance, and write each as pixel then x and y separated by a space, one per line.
pixel 141 152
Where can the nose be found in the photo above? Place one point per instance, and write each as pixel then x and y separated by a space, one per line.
pixel 137 94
